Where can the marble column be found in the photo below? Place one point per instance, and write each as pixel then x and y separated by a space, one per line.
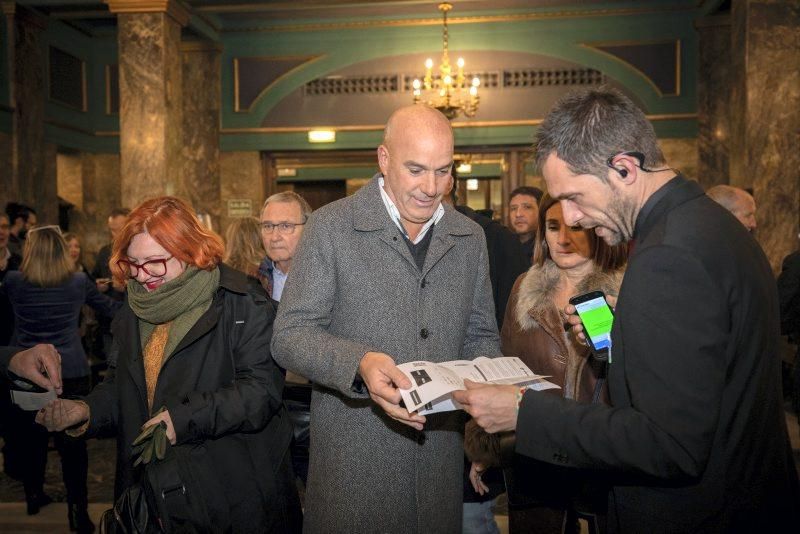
pixel 151 98
pixel 27 173
pixel 241 179
pixel 681 154
pixel 765 117
pixel 102 192
pixel 201 124
pixel 713 102
pixel 9 184
pixel 45 192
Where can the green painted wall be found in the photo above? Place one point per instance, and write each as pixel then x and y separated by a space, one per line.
pixel 560 37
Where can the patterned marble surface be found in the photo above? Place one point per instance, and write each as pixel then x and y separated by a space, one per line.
pixel 240 178
pixel 681 154
pixel 150 106
pixel 201 124
pixel 713 102
pixel 30 94
pixel 766 112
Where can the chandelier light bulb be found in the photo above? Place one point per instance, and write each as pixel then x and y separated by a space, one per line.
pixel 447 88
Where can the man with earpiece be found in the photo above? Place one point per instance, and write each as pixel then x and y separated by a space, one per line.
pixel 695 437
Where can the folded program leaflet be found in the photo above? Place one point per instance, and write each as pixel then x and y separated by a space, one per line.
pixel 433 383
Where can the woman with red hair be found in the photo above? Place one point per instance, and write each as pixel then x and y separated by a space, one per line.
pixel 192 367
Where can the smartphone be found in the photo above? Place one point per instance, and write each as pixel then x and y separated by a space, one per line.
pixel 597 318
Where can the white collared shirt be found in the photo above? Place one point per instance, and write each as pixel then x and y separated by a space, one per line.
pixel 394 214
pixel 278 281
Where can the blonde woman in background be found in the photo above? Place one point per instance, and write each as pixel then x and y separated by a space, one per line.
pixel 244 250
pixel 47 295
pixel 75 252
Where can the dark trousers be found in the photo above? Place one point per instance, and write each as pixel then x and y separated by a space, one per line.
pixel 30 440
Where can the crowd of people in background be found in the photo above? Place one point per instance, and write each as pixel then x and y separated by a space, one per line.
pixel 243 369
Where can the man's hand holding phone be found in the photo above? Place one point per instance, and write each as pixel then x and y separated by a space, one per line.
pixel 576 312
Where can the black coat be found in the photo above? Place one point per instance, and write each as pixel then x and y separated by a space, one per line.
pixel 695 437
pixel 506 259
pixel 223 393
pixel 789 295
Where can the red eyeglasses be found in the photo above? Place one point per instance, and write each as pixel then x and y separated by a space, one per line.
pixel 152 267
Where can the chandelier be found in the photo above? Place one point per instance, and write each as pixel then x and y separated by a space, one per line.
pixel 448 91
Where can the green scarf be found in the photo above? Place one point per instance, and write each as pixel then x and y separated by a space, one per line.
pixel 181 300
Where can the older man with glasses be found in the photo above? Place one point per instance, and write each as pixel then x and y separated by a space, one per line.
pixel 282 220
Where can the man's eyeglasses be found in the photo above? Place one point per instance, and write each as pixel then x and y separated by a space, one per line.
pixel 283 228
pixel 152 267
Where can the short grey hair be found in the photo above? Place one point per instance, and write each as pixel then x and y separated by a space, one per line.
pixel 290 196
pixel 586 127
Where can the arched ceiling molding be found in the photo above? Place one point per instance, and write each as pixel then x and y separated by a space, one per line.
pixel 560 39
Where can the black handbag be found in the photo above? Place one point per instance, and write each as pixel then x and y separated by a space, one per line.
pixel 169 496
pixel 133 513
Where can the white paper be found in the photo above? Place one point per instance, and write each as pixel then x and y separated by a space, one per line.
pixel 32 402
pixel 433 383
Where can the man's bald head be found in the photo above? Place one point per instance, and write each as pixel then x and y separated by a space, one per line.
pixel 737 201
pixel 416 159
pixel 416 119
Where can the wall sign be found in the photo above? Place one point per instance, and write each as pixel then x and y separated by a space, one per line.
pixel 240 207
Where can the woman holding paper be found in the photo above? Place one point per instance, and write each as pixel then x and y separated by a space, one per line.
pixel 568 261
pixel 192 392
pixel 46 295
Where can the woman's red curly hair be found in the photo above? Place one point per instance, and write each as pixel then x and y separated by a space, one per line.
pixel 172 223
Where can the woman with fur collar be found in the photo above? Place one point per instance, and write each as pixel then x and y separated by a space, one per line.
pixel 567 261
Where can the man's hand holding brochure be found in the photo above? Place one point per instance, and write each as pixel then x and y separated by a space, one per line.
pixel 433 383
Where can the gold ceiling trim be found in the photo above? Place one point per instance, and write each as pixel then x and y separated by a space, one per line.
pixel 174 8
pixel 476 19
pixel 677 42
pixel 456 125
pixel 370 127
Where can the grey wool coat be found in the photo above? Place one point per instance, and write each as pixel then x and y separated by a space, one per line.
pixel 354 288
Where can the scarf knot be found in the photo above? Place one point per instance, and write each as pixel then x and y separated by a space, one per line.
pixel 181 301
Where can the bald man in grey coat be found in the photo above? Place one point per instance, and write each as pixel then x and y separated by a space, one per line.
pixel 388 275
